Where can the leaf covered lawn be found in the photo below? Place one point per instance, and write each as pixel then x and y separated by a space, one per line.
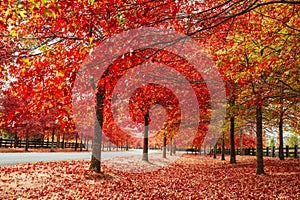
pixel 188 178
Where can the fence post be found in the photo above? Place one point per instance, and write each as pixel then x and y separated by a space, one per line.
pixel 295 151
pixel 267 151
pixel 287 151
pixel 273 151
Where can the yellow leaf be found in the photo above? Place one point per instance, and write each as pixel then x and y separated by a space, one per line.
pixel 54 15
pixel 22 13
pixel 23 72
pixel 60 74
pixel 10 21
pixel 26 60
pixel 13 33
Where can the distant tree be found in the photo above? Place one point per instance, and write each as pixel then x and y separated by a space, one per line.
pixel 272 142
pixel 293 139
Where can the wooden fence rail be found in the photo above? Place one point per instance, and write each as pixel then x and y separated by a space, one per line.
pixel 268 151
pixel 7 143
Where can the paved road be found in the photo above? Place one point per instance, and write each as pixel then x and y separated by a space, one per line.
pixel 21 158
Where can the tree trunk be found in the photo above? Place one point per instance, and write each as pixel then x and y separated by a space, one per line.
pixel 165 146
pixel 63 141
pixel 87 144
pixel 81 144
pixel 215 151
pixel 241 142
pixel 232 148
pixel 174 147
pixel 171 147
pixel 223 147
pixel 58 141
pixel 76 142
pixel 16 140
pixel 259 138
pixel 146 139
pixel 95 164
pixel 281 154
pixel 27 140
pixel 52 141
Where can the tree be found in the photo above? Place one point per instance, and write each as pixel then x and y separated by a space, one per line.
pixel 152 95
pixel 272 142
pixel 261 51
pixel 293 140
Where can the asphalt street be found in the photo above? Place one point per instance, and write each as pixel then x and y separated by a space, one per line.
pixel 7 159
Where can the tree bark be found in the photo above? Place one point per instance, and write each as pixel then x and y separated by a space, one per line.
pixel 215 151
pixel 146 138
pixel 58 141
pixel 241 142
pixel 281 154
pixel 76 142
pixel 63 141
pixel 127 146
pixel 259 138
pixel 223 147
pixel 16 140
pixel 165 146
pixel 95 164
pixel 199 149
pixel 171 147
pixel 81 144
pixel 232 148
pixel 27 140
pixel 174 147
pixel 52 141
pixel 87 144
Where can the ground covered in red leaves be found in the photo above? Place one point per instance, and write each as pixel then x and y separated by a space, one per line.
pixel 189 177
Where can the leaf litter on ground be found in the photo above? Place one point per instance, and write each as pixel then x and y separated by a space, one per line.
pixel 177 177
